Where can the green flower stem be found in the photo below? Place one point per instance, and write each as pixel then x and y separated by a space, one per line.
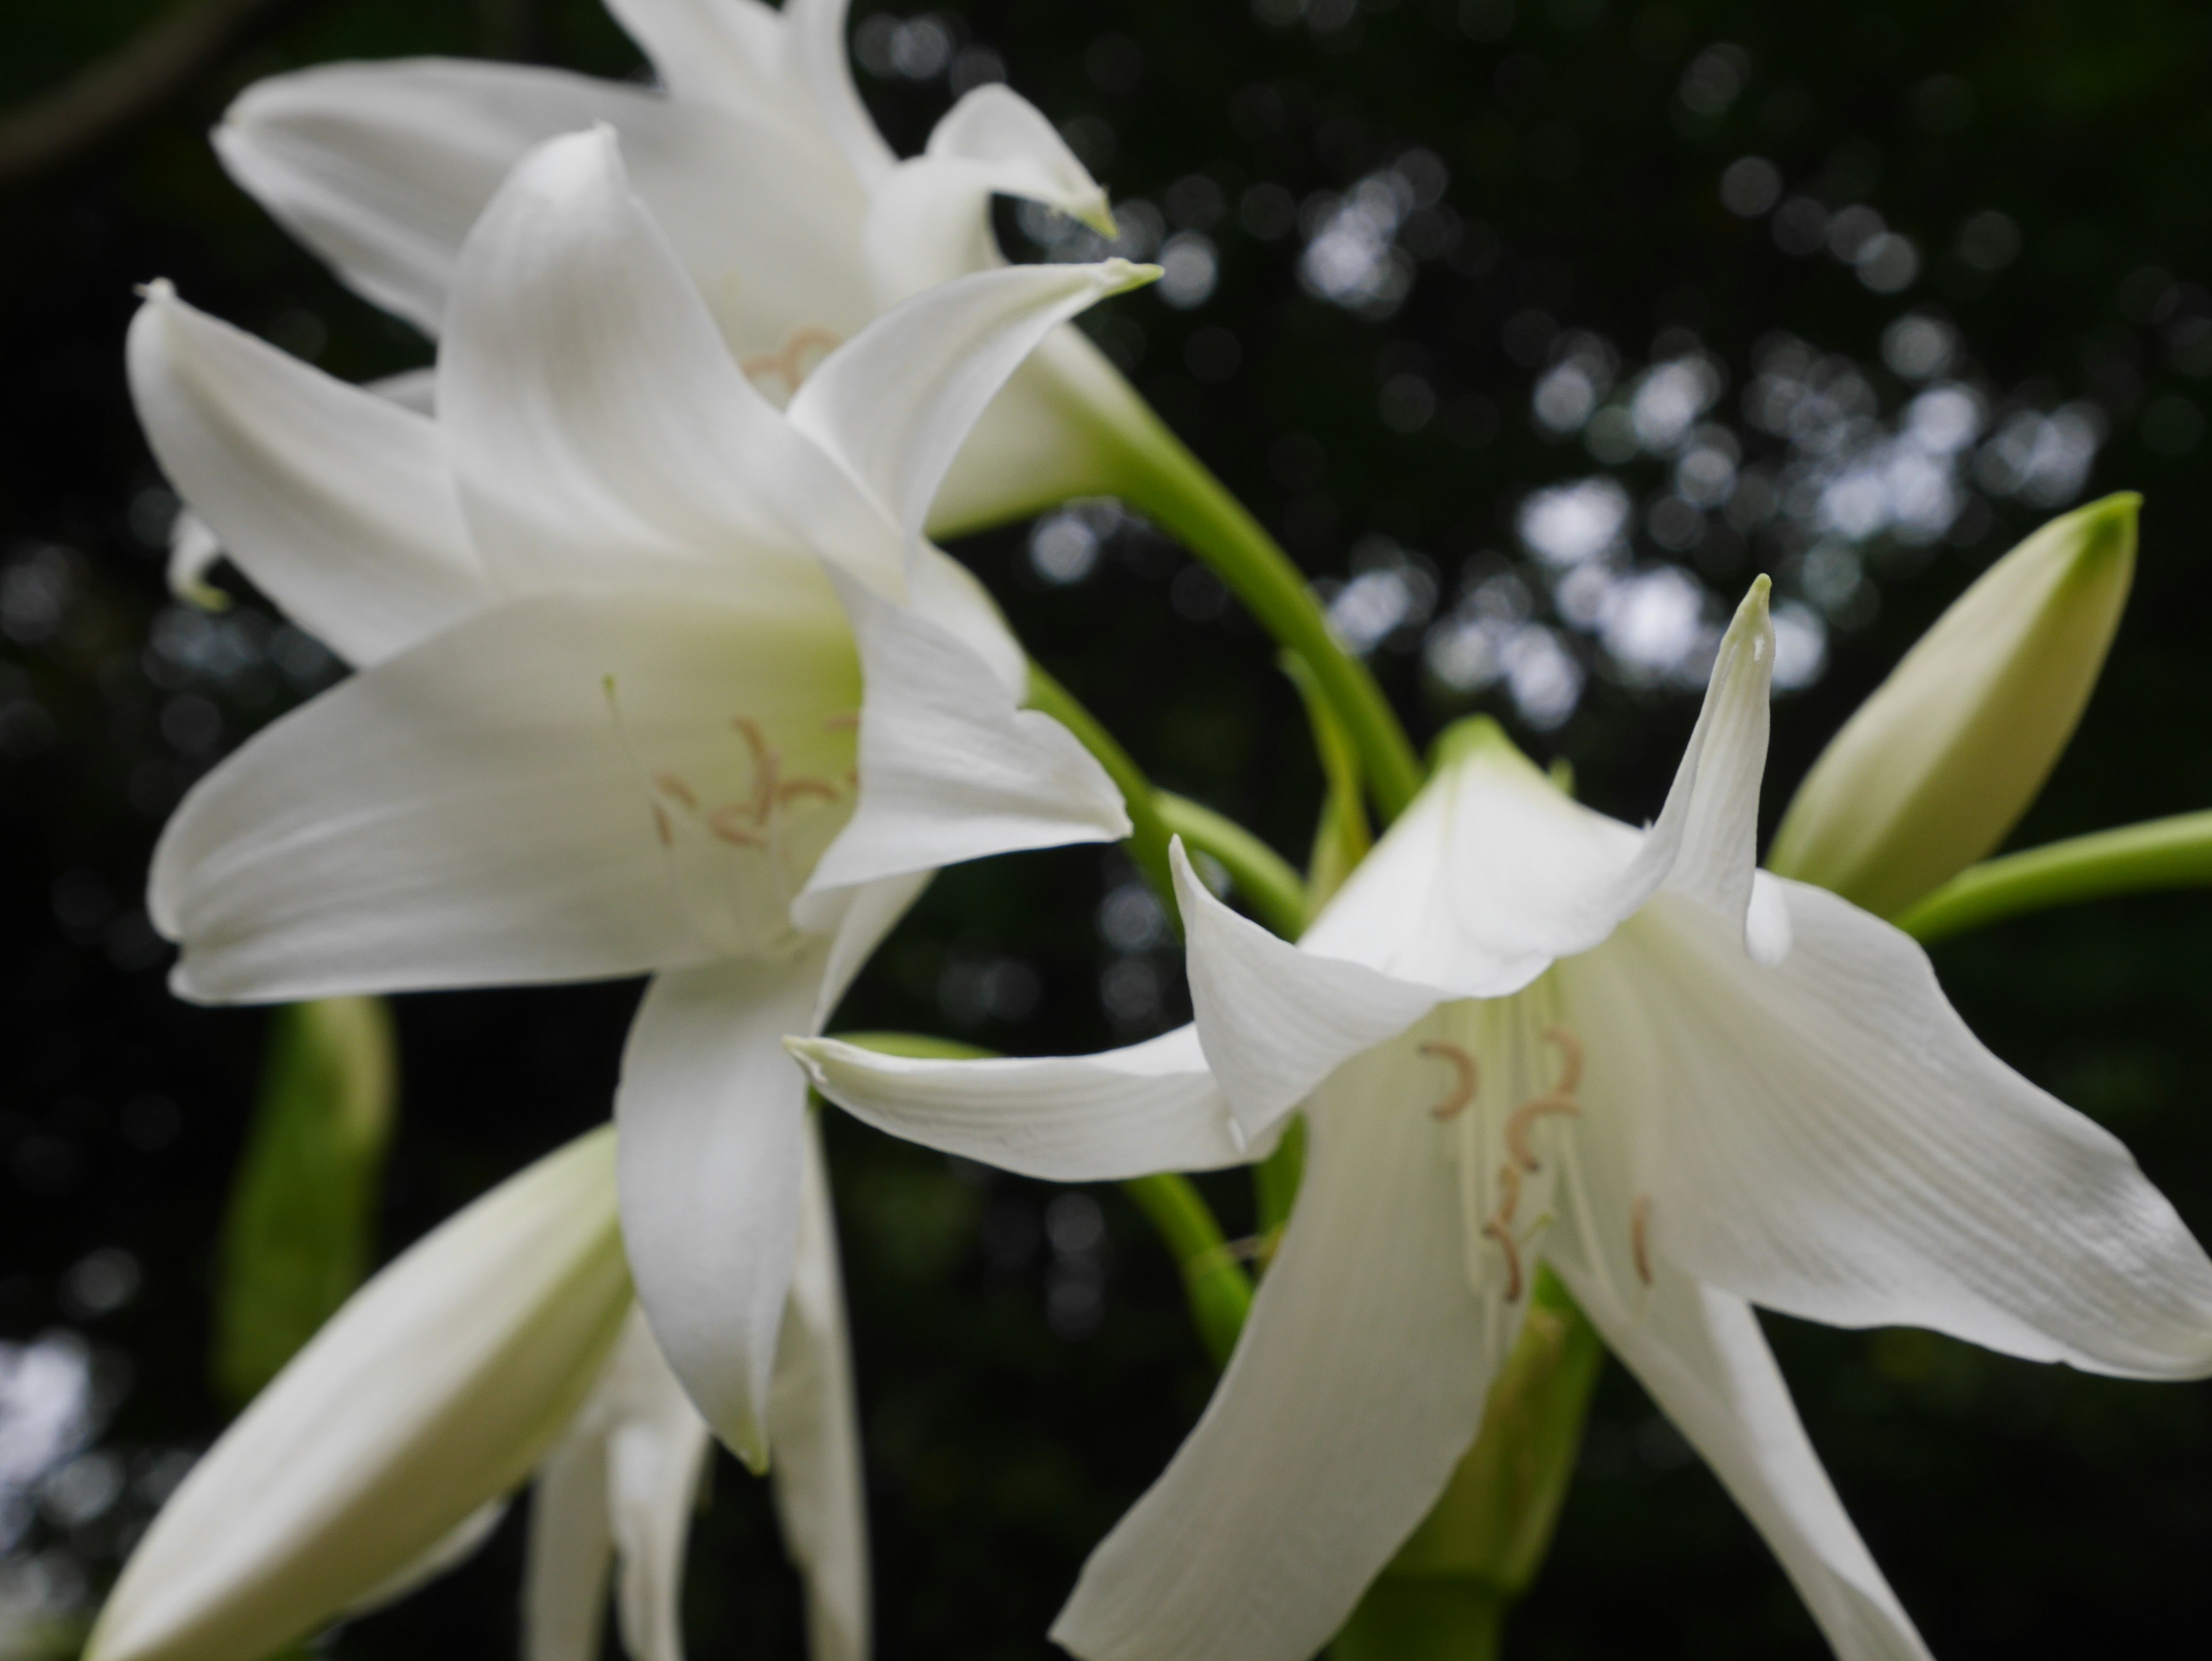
pixel 2169 853
pixel 1148 827
pixel 1265 878
pixel 1158 474
pixel 1214 1283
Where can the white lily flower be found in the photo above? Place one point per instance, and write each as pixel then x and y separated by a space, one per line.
pixel 615 616
pixel 384 1454
pixel 795 221
pixel 1524 1033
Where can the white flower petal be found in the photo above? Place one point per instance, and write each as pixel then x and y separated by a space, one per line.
pixel 1705 839
pixel 1274 1019
pixel 929 220
pixel 656 1446
pixel 715 52
pixel 337 504
pixel 1153 1106
pixel 1493 872
pixel 1357 1385
pixel 194 551
pixel 816 57
pixel 506 803
pixel 814 1433
pixel 382 168
pixel 1062 428
pixel 951 770
pixel 1701 1355
pixel 572 1543
pixel 714 1121
pixel 435 1388
pixel 895 405
pixel 599 428
pixel 1829 1139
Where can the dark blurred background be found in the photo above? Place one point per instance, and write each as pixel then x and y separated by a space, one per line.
pixel 1536 327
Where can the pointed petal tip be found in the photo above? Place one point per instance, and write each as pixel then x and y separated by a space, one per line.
pixel 2106 528
pixel 1473 736
pixel 1098 215
pixel 1119 276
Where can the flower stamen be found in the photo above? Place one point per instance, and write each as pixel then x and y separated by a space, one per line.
pixel 1571 1060
pixel 1639 1237
pixel 1497 1231
pixel 1464 1079
pixel 1519 1127
pixel 788 362
pixel 1500 1227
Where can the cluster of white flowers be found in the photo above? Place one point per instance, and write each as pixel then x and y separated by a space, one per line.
pixel 655 671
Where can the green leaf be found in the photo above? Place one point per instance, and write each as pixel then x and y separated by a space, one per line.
pixel 297 1237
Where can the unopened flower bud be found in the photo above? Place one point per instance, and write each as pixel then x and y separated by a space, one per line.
pixel 432 1393
pixel 1938 765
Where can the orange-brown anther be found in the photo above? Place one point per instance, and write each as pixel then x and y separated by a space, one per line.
pixel 1639 1237
pixel 730 823
pixel 1508 1195
pixel 791 789
pixel 673 786
pixel 848 722
pixel 750 730
pixel 1464 1077
pixel 1571 1060
pixel 788 362
pixel 1523 1123
pixel 662 827
pixel 1497 1231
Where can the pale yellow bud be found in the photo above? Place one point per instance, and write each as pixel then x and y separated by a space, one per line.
pixel 1937 766
pixel 434 1391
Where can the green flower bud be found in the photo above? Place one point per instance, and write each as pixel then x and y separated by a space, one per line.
pixel 1938 765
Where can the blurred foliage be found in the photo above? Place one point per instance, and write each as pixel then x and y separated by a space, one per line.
pixel 298 1237
pixel 1025 1360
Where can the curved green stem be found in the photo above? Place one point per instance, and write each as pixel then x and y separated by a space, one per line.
pixel 1162 479
pixel 1266 879
pixel 1148 829
pixel 1269 881
pixel 2168 853
pixel 1214 1283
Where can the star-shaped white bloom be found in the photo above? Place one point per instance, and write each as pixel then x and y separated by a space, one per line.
pixel 793 216
pixel 652 677
pixel 1525 1033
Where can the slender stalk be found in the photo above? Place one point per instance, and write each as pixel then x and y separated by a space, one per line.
pixel 1264 877
pixel 1169 485
pixel 1148 829
pixel 2168 853
pixel 1215 1285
